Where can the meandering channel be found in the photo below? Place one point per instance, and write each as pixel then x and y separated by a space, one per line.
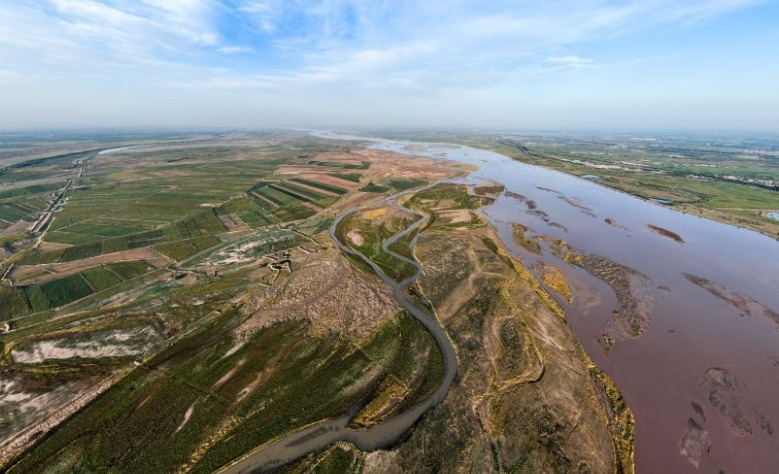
pixel 323 434
pixel 726 323
pixel 712 301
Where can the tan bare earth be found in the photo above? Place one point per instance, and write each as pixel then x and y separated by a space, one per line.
pixel 33 274
pixel 311 206
pixel 458 216
pixel 386 165
pixel 233 223
pixel 522 376
pixel 311 173
pixel 355 238
pixel 17 226
pixel 329 293
pixel 51 246
pixel 352 200
pixel 321 191
pixel 117 343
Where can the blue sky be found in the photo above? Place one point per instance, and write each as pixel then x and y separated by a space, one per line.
pixel 556 64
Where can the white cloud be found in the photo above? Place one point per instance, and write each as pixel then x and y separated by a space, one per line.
pixel 234 49
pixel 355 50
pixel 572 61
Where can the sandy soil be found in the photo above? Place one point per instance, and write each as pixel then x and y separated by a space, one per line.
pixel 17 226
pixel 458 216
pixel 327 291
pixel 507 396
pixel 327 179
pixel 355 238
pixel 120 343
pixel 635 300
pixel 745 305
pixel 187 416
pixel 665 233
pixel 385 165
pixel 49 246
pixel 233 223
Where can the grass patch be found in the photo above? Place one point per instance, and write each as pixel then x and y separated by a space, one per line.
pixel 402 184
pixel 327 187
pixel 293 213
pixel 100 278
pixel 374 188
pixel 65 290
pixel 12 303
pixel 353 177
pixel 183 249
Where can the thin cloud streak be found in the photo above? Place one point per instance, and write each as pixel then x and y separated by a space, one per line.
pixel 349 50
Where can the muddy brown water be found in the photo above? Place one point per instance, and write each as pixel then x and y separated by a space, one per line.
pixel 663 372
pixel 671 374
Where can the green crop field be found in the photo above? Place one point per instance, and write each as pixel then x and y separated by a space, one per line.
pixel 320 185
pixel 250 211
pixel 183 249
pixel 374 188
pixel 101 278
pixel 129 270
pixel 54 293
pixel 354 177
pixel 65 290
pixel 293 213
pixel 401 184
pixel 276 196
pixel 12 303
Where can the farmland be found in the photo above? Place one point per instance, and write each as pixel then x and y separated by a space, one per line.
pixel 159 252
pixel 184 305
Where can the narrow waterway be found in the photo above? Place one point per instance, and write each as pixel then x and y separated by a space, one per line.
pixel 710 356
pixel 321 435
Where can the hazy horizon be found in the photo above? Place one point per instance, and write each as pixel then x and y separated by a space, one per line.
pixel 578 65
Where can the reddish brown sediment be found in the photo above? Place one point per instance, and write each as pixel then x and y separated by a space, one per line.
pixel 665 233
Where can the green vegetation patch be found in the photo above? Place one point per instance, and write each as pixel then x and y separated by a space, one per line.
pixel 402 184
pixel 456 195
pixel 299 191
pixel 354 177
pixel 65 290
pixel 184 249
pixel 320 185
pixel 37 298
pixel 373 236
pixel 196 229
pixel 28 190
pixel 129 270
pixel 293 213
pixel 253 213
pixel 100 278
pixel 374 188
pixel 199 387
pixel 12 303
pixel 20 301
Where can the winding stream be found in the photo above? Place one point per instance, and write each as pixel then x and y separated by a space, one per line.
pixel 323 434
pixel 709 358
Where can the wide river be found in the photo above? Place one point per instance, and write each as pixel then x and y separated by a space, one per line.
pixel 711 351
pixel 703 379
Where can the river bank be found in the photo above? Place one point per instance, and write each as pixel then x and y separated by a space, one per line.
pixel 690 330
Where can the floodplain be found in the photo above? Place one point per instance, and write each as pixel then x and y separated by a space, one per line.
pixel 202 302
